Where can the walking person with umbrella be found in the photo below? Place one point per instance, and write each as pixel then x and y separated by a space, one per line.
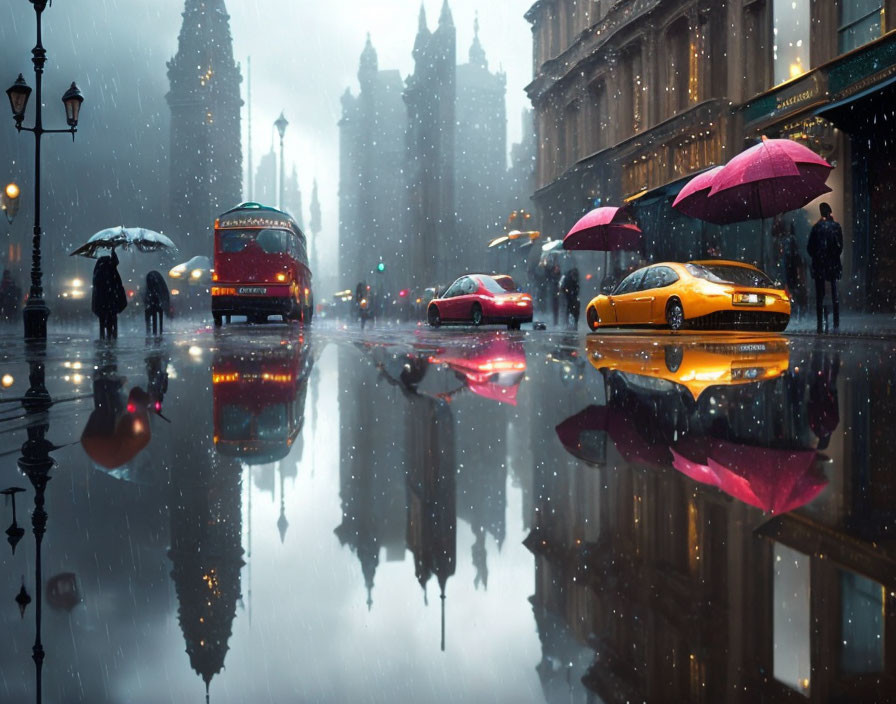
pixel 109 298
pixel 825 247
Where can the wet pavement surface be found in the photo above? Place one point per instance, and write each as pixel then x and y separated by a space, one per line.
pixel 330 515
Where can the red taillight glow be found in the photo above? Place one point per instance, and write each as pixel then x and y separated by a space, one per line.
pixel 223 291
pixel 132 408
pixel 502 365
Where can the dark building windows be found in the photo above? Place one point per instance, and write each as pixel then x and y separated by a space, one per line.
pixel 860 23
pixel 678 67
pixel 597 119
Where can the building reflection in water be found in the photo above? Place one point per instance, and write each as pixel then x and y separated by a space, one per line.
pixel 258 412
pixel 400 478
pixel 771 574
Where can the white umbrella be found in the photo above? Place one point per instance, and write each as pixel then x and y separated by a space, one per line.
pixel 552 246
pixel 139 238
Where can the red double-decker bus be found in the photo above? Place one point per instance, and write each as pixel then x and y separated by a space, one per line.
pixel 261 266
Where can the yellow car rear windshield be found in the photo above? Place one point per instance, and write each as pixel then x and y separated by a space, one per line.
pixel 728 274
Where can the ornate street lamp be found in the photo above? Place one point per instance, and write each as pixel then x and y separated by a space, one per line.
pixel 281 124
pixel 36 311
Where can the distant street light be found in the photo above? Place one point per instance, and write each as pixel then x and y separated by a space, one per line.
pixel 281 124
pixel 36 312
pixel 9 201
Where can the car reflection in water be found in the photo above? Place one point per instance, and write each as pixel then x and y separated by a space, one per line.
pixel 492 368
pixel 259 400
pixel 659 413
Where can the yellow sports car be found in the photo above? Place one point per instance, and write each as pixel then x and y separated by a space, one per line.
pixel 711 295
pixel 696 362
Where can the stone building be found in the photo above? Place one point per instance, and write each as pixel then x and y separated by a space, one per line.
pixel 430 96
pixel 633 98
pixel 480 171
pixel 206 151
pixel 371 185
pixel 423 165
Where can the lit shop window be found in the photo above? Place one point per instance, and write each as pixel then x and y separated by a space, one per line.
pixel 791 43
pixel 860 23
pixel 791 615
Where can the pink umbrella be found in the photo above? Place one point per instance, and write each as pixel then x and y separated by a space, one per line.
pixel 578 436
pixel 772 177
pixel 693 199
pixel 606 229
pixel 777 481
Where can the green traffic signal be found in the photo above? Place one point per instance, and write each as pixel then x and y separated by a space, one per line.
pixel 381 267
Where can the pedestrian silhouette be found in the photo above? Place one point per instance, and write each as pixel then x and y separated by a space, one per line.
pixel 825 246
pixel 156 301
pixel 569 287
pixel 109 298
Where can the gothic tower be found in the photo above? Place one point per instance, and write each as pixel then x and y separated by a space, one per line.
pixel 481 163
pixel 206 152
pixel 430 99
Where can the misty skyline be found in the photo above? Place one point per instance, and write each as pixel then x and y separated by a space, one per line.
pixel 301 63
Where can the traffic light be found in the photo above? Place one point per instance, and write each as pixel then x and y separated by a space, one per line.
pixel 381 267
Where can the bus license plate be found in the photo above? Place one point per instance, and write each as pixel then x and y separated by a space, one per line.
pixel 252 290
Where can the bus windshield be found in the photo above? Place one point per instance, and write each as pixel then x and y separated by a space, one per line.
pixel 271 423
pixel 270 241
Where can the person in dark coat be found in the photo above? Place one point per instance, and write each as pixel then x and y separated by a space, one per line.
pixel 824 403
pixel 109 298
pixel 156 301
pixel 569 287
pixel 825 246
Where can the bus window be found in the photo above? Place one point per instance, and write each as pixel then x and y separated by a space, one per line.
pixel 273 241
pixel 235 240
pixel 270 241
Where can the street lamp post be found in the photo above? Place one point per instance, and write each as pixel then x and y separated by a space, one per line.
pixel 36 311
pixel 281 124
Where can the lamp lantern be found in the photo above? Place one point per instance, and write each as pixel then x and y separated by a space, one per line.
pixel 72 101
pixel 18 94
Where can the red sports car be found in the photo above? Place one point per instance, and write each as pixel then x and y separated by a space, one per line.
pixel 479 299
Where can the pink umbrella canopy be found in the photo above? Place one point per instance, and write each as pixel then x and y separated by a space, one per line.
pixel 772 177
pixel 693 199
pixel 580 436
pixel 606 229
pixel 776 481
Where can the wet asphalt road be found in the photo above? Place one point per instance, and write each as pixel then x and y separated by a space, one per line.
pixel 328 514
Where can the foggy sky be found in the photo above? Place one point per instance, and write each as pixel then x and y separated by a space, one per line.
pixel 304 55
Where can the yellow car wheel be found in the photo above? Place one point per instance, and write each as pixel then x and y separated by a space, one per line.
pixel 592 317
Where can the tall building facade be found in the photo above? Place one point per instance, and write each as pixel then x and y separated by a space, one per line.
pixel 423 164
pixel 206 152
pixel 631 99
pixel 371 185
pixel 480 155
pixel 430 97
